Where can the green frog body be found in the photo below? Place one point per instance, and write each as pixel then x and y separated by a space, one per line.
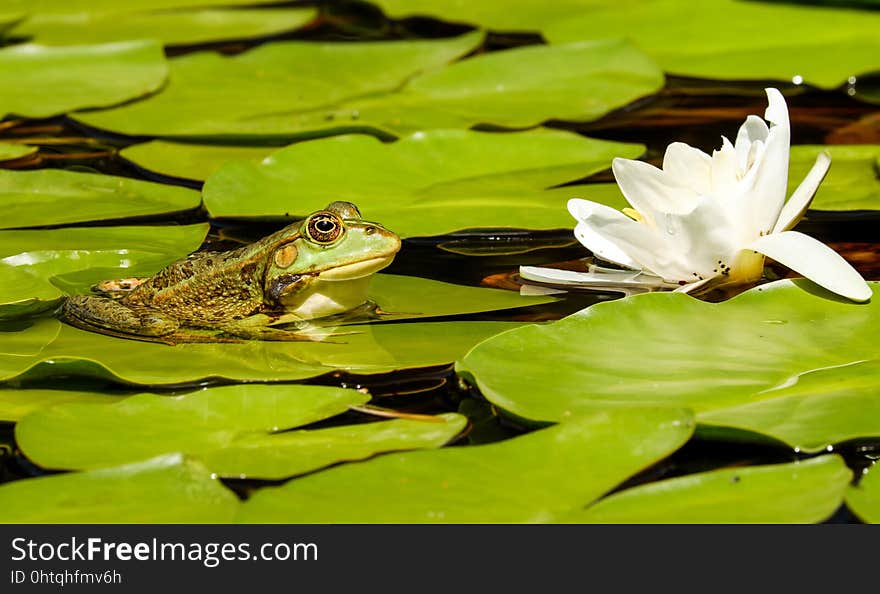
pixel 312 269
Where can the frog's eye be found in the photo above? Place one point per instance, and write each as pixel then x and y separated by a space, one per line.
pixel 324 227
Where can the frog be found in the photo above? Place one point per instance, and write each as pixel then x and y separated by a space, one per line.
pixel 316 268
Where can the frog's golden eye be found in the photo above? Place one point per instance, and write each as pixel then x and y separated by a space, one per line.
pixel 324 227
pixel 285 256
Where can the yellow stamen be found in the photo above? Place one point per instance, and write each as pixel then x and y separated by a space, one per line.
pixel 634 215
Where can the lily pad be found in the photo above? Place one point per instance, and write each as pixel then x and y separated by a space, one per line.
pixel 531 478
pixel 796 493
pixel 265 88
pixel 499 15
pixel 170 27
pixel 71 6
pixel 9 20
pixel 86 436
pixel 54 197
pixel 853 182
pixel 864 498
pixel 23 340
pixel 296 452
pixel 668 348
pixel 165 490
pixel 10 151
pixel 38 267
pixel 821 408
pixel 190 160
pixel 15 403
pixel 77 76
pixel 374 348
pixel 488 179
pixel 819 45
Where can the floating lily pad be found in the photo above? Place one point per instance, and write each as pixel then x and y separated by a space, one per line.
pixel 9 20
pixel 53 197
pixel 853 182
pixel 668 348
pixel 165 490
pixel 23 340
pixel 822 46
pixel 40 82
pixel 864 499
pixel 15 404
pixel 821 408
pixel 526 479
pixel 488 179
pixel 38 267
pixel 297 452
pixel 374 348
pixel 265 88
pixel 86 436
pixel 10 151
pixel 797 493
pixel 171 27
pixel 79 6
pixel 189 160
pixel 500 15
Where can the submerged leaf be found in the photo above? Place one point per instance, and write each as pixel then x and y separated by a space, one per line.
pixel 531 478
pixel 670 349
pixel 77 76
pixel 17 403
pixel 864 498
pixel 796 493
pixel 10 151
pixel 165 490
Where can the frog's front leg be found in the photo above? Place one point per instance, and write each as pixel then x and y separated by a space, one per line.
pixel 260 327
pixel 110 314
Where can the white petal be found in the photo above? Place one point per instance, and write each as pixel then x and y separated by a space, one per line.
pixel 688 166
pixel 613 236
pixel 816 261
pixel 725 169
pixel 762 204
pixel 606 278
pixel 801 198
pixel 753 129
pixel 649 190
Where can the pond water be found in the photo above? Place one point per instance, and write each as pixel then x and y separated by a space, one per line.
pixel 691 110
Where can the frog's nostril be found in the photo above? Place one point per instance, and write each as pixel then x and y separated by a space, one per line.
pixel 370 230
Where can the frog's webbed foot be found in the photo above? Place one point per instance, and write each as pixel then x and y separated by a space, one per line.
pixel 261 327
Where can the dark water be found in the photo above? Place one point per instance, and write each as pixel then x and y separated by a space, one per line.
pixel 689 110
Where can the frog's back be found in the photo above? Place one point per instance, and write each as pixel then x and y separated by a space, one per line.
pixel 205 287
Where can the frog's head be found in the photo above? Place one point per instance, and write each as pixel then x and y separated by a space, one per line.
pixel 334 245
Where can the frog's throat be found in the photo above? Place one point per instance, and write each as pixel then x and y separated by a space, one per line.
pixel 355 269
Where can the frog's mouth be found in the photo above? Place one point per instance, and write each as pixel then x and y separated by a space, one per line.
pixel 356 269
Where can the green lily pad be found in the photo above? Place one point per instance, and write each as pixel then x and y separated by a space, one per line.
pixel 86 436
pixel 103 6
pixel 488 179
pixel 297 452
pixel 38 267
pixel 54 197
pixel 16 404
pixel 10 151
pixel 864 499
pixel 530 478
pixel 668 348
pixel 265 88
pixel 853 182
pixel 165 490
pixel 8 21
pixel 822 46
pixel 40 82
pixel 171 27
pixel 499 15
pixel 796 493
pixel 374 348
pixel 822 408
pixel 23 340
pixel 188 160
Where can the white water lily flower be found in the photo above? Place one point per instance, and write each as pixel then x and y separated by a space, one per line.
pixel 706 221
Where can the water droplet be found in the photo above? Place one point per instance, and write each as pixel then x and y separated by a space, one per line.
pixel 213 475
pixel 797 450
pixel 851 80
pixel 797 79
pixel 670 224
pixel 829 448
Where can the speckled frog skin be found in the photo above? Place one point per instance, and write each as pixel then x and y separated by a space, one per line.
pixel 314 268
